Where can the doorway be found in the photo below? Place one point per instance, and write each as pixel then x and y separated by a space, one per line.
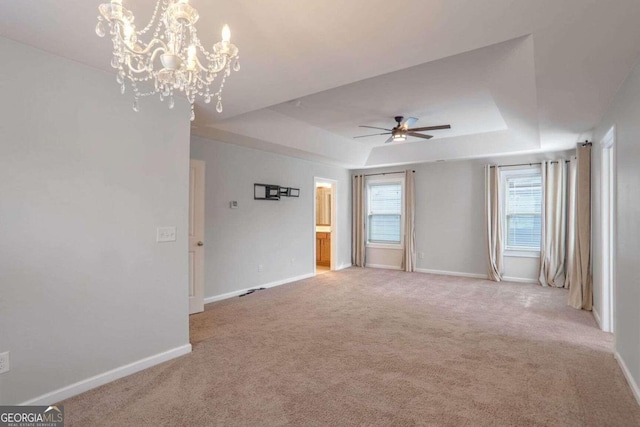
pixel 607 209
pixel 324 231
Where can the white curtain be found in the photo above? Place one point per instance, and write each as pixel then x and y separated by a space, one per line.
pixel 358 222
pixel 493 219
pixel 579 276
pixel 409 253
pixel 553 224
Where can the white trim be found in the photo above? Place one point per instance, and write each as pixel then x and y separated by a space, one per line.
pixel 632 383
pixel 519 280
pixel 596 316
pixel 389 246
pixel 385 267
pixel 452 273
pixel 232 294
pixel 522 253
pixel 107 377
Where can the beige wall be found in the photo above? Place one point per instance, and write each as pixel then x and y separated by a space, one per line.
pixel 450 219
pixel 279 235
pixel 623 113
pixel 84 182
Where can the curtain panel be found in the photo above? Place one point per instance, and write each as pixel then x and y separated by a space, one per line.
pixel 358 222
pixel 409 253
pixel 579 275
pixel 553 224
pixel 493 219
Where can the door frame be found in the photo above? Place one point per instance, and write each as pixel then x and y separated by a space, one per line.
pixel 607 229
pixel 334 222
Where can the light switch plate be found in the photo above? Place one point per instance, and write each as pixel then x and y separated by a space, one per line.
pixel 233 204
pixel 166 234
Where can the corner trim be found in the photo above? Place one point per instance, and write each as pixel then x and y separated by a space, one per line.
pixel 596 315
pixel 232 294
pixel 632 383
pixel 385 267
pixel 107 377
pixel 452 273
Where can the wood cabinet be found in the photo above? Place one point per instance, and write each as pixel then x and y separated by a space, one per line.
pixel 323 249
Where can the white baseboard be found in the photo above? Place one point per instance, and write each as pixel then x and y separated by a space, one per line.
pixel 451 273
pixel 520 280
pixel 386 267
pixel 596 315
pixel 107 377
pixel 632 382
pixel 232 294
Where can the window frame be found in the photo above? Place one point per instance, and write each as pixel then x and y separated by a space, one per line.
pixel 505 174
pixel 381 180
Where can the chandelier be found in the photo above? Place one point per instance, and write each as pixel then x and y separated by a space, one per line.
pixel 174 60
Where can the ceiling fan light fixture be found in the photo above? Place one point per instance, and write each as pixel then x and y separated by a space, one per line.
pixel 399 137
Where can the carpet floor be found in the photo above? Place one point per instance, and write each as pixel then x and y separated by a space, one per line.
pixel 379 348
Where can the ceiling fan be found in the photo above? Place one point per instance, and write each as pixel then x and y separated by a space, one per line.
pixel 404 129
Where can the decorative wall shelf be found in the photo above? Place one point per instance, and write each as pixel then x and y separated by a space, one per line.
pixel 273 192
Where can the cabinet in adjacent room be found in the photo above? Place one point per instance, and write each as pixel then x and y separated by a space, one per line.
pixel 323 249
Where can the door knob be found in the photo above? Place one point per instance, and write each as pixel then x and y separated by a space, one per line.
pixel 200 243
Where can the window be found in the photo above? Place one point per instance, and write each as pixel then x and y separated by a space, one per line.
pixel 522 209
pixel 384 212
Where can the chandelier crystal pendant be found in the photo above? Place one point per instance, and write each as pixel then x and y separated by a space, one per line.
pixel 173 60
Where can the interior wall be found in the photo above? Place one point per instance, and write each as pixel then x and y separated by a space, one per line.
pixel 450 228
pixel 84 182
pixel 279 235
pixel 623 113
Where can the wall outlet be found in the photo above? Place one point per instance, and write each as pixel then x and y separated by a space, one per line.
pixel 5 366
pixel 293 261
pixel 421 255
pixel 233 204
pixel 166 234
pixel 260 268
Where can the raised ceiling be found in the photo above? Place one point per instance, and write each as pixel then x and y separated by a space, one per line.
pixel 510 76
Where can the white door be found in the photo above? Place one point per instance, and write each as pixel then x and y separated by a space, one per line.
pixel 196 236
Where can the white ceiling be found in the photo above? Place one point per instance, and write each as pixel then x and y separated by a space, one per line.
pixel 509 75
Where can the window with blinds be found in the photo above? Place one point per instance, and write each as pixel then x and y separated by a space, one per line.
pixel 384 220
pixel 523 207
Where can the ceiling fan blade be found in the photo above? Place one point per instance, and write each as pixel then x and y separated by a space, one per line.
pixel 430 128
pixel 419 135
pixel 373 127
pixel 373 134
pixel 389 140
pixel 408 122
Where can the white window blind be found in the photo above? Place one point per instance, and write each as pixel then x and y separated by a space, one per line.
pixel 385 212
pixel 523 209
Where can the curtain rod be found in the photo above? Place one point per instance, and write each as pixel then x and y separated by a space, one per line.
pixel 527 164
pixel 385 173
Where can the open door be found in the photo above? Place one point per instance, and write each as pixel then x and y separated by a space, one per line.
pixel 196 236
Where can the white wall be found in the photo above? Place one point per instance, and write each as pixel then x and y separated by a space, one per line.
pixel 450 228
pixel 623 113
pixel 280 235
pixel 84 182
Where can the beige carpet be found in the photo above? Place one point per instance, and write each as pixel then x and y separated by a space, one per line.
pixel 381 348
